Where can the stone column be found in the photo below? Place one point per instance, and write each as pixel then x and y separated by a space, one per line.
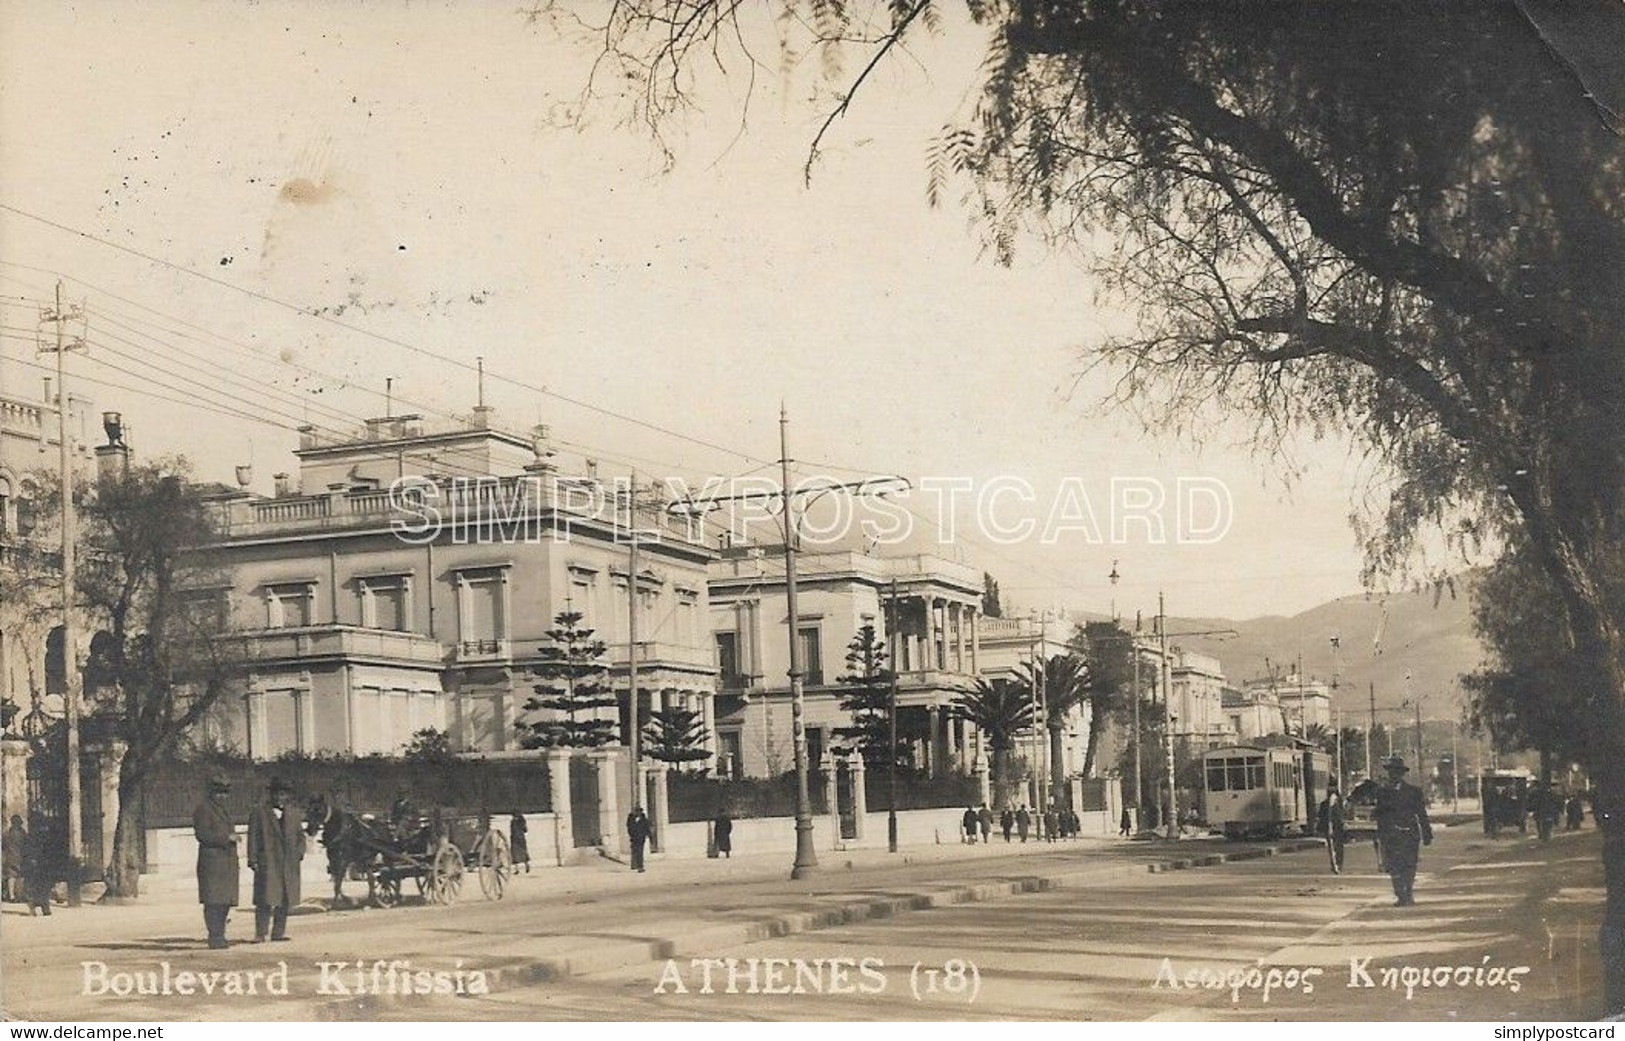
pixel 660 808
pixel 962 743
pixel 708 712
pixel 832 796
pixel 959 638
pixel 984 781
pixel 860 796
pixel 931 740
pixel 975 642
pixel 558 797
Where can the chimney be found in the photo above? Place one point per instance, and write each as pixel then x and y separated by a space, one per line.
pixel 284 486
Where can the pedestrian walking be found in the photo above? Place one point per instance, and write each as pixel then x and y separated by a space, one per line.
pixel 1075 823
pixel 984 818
pixel 11 860
pixel 276 845
pixel 518 844
pixel 638 831
pixel 1125 824
pixel 216 860
pixel 41 859
pixel 1402 828
pixel 722 832
pixel 1331 823
pixel 1576 812
pixel 969 823
pixel 1007 822
pixel 1024 821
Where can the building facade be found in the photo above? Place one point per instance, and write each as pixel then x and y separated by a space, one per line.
pixel 934 605
pixel 407 579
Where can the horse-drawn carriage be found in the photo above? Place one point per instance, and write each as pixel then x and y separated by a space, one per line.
pixel 436 851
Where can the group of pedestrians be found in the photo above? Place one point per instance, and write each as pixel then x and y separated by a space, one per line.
pixel 1055 823
pixel 276 846
pixel 1403 828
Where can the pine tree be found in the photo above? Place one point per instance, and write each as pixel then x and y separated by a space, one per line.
pixel 868 696
pixel 675 736
pixel 573 691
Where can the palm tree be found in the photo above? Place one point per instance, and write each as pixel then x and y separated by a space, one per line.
pixel 1065 686
pixel 1001 709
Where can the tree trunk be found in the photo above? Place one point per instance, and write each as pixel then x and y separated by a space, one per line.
pixel 1057 767
pixel 1001 776
pixel 124 864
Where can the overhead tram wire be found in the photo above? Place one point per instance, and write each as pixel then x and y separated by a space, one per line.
pixel 592 451
pixel 381 337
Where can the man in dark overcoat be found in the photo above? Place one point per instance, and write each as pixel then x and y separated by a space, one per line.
pixel 637 831
pixel 276 845
pixel 216 860
pixel 1403 828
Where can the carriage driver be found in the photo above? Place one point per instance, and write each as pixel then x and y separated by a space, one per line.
pixel 276 845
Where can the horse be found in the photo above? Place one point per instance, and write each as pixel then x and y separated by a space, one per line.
pixel 354 842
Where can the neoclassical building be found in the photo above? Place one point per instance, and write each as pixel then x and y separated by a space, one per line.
pixel 406 578
pixel 936 607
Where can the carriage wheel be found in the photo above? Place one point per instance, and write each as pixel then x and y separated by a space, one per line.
pixel 446 875
pixel 495 864
pixel 386 891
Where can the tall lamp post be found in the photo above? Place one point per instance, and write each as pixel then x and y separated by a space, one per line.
pixel 891 721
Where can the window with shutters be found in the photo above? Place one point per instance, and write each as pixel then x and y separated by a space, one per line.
pixel 386 602
pixel 290 605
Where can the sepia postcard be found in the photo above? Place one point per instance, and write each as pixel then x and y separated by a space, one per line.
pixel 699 511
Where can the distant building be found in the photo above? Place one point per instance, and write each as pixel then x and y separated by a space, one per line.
pixel 370 616
pixel 1198 698
pixel 1279 705
pixel 1009 645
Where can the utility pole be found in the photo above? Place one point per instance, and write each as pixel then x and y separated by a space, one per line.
pixel 1034 767
pixel 634 698
pixel 1455 772
pixel 59 317
pixel 891 720
pixel 1167 719
pixel 806 861
pixel 1371 691
pixel 1134 797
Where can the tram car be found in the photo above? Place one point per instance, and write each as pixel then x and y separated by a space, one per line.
pixel 1264 790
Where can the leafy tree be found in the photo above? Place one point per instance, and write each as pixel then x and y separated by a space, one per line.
pixel 675 736
pixel 149 580
pixel 574 690
pixel 429 746
pixel 991 606
pixel 1402 223
pixel 1531 693
pixel 1002 710
pixel 1109 683
pixel 867 697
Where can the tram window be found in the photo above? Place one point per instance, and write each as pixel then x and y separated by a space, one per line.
pixel 1215 775
pixel 1255 771
pixel 1236 774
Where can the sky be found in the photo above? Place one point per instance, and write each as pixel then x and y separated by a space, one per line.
pixel 415 173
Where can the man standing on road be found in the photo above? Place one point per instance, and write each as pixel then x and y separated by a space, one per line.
pixel 1007 821
pixel 1024 820
pixel 637 830
pixel 984 817
pixel 276 845
pixel 216 860
pixel 1402 828
pixel 1332 825
pixel 968 822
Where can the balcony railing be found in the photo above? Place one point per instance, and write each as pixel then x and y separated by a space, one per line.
pixel 343 642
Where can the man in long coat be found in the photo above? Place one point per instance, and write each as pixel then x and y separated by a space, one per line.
pixel 637 830
pixel 276 845
pixel 216 860
pixel 1402 828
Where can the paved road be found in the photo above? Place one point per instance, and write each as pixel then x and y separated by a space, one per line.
pixel 1088 950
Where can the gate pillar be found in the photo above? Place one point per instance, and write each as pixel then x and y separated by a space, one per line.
pixel 832 798
pixel 659 804
pixel 558 798
pixel 860 796
pixel 14 774
pixel 611 829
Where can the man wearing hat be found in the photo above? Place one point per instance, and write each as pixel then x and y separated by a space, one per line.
pixel 216 860
pixel 1402 827
pixel 276 845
